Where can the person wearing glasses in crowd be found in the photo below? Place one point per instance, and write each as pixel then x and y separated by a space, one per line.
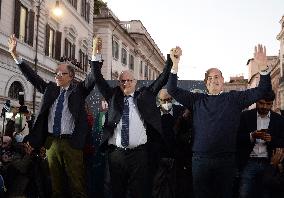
pixel 216 117
pixel 132 131
pixel 60 125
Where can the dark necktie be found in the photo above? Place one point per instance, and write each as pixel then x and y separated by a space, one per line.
pixel 58 114
pixel 125 123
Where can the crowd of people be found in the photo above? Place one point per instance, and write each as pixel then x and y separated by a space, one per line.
pixel 207 146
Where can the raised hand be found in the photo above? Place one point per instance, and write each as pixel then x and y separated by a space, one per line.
pixel 175 55
pixel 260 57
pixel 97 45
pixel 12 44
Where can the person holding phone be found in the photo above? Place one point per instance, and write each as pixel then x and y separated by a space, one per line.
pixel 260 132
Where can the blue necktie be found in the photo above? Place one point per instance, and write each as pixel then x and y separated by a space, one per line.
pixel 125 123
pixel 58 114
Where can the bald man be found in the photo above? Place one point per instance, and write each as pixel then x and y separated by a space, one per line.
pixel 132 131
pixel 216 117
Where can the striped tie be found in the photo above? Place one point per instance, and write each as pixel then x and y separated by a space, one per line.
pixel 58 114
pixel 125 123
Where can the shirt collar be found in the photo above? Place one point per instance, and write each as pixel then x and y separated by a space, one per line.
pixel 214 94
pixel 169 112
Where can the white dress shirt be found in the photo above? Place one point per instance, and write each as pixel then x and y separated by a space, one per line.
pixel 137 131
pixel 260 148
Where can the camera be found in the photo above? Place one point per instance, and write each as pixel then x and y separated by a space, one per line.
pixel 23 108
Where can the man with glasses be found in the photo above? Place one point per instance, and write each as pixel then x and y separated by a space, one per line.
pixel 216 117
pixel 61 124
pixel 132 131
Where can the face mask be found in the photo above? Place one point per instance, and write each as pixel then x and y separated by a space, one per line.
pixel 167 106
pixel 19 138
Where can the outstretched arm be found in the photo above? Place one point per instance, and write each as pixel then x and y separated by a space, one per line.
pixel 184 97
pixel 96 66
pixel 27 71
pixel 89 82
pixel 250 96
pixel 162 79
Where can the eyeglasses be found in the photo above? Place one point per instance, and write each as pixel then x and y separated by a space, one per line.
pixel 166 99
pixel 60 74
pixel 125 81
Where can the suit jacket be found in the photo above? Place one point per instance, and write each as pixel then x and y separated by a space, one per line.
pixel 144 98
pixel 248 124
pixel 168 127
pixel 76 104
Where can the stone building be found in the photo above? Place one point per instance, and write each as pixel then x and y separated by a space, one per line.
pixel 280 37
pixel 127 45
pixel 69 36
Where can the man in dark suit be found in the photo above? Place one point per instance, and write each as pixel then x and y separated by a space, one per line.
pixel 132 128
pixel 261 130
pixel 173 178
pixel 60 125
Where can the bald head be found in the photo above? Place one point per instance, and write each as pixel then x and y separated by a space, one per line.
pixel 214 81
pixel 165 97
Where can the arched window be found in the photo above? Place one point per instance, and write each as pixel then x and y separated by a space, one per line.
pixel 14 90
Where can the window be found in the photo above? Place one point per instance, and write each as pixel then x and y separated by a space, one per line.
pixel 115 49
pixel 141 68
pixel 49 43
pixel 73 3
pixel 150 73
pixel 24 23
pixel 124 56
pixel 0 7
pixel 52 43
pixel 69 50
pixel 85 10
pixel 83 59
pixel 146 72
pixel 131 62
pixel 14 90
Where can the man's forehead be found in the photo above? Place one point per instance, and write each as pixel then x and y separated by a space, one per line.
pixel 214 72
pixel 164 94
pixel 262 101
pixel 126 74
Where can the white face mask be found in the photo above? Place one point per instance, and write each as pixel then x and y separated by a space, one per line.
pixel 19 138
pixel 167 106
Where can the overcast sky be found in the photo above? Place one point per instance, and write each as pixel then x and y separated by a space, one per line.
pixel 211 33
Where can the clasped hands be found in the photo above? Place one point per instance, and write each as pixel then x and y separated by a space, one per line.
pixel 175 55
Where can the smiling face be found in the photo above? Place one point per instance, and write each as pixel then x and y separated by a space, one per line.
pixel 127 82
pixel 63 76
pixel 214 81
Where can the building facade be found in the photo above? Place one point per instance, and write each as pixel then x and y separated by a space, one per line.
pixel 280 37
pixel 127 45
pixel 238 83
pixel 60 38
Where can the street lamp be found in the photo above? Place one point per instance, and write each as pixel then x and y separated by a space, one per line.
pixel 39 2
pixel 57 11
